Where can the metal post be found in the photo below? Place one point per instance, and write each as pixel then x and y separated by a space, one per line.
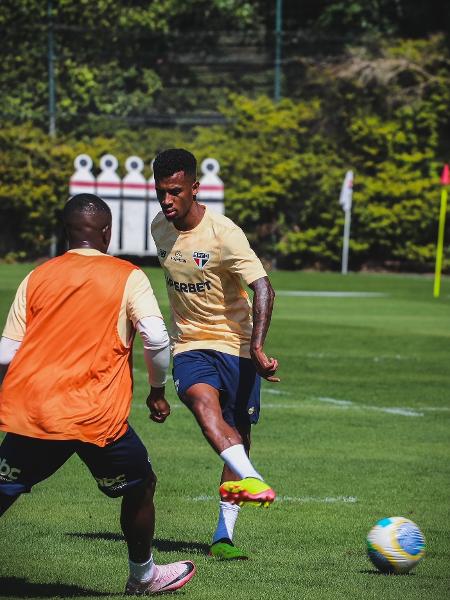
pixel 53 246
pixel 440 243
pixel 51 72
pixel 51 98
pixel 346 242
pixel 278 44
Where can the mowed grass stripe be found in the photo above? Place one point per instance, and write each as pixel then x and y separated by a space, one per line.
pixel 64 539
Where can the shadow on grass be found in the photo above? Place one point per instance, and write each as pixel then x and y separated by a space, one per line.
pixel 375 572
pixel 160 544
pixel 17 587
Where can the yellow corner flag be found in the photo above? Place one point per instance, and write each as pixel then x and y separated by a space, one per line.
pixel 445 180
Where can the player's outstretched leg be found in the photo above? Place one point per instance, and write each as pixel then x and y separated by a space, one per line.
pixel 203 401
pixel 138 523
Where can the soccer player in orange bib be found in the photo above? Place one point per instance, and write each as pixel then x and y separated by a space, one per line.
pixel 217 337
pixel 66 373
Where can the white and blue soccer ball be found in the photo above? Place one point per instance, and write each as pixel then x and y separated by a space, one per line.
pixel 395 545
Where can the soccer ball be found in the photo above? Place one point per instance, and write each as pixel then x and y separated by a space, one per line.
pixel 395 545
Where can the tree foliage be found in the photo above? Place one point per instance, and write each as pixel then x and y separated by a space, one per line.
pixel 356 95
pixel 109 56
pixel 115 61
pixel 287 161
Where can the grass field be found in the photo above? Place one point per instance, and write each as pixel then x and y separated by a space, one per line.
pixel 358 429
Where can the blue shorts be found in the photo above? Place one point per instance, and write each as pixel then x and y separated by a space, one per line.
pixel 235 377
pixel 117 467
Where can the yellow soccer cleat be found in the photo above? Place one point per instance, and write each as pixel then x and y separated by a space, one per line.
pixel 247 491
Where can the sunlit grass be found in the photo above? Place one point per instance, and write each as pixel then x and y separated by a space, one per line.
pixel 357 430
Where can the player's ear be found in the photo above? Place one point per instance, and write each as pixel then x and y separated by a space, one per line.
pixel 106 235
pixel 195 187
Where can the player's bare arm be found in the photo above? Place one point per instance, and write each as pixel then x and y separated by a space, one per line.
pixel 263 297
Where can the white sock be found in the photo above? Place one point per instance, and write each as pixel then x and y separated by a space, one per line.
pixel 142 571
pixel 228 514
pixel 236 458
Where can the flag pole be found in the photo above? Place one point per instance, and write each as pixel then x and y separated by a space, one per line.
pixel 345 200
pixel 346 241
pixel 445 180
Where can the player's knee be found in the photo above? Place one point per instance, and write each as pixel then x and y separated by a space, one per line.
pixel 143 492
pixel 117 486
pixel 148 485
pixel 211 427
pixel 202 404
pixel 217 430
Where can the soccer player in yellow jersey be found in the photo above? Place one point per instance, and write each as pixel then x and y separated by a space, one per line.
pixel 217 337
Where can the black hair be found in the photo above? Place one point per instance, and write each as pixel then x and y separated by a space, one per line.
pixel 88 204
pixel 173 160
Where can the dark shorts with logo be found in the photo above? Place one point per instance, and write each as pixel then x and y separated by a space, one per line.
pixel 235 377
pixel 117 467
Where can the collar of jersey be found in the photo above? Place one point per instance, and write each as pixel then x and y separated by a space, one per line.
pixel 87 252
pixel 196 228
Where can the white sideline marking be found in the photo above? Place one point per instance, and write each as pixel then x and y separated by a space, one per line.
pixel 350 357
pixel 345 404
pixel 281 405
pixel 406 412
pixel 275 392
pixel 325 500
pixel 263 405
pixel 314 294
pixel 292 499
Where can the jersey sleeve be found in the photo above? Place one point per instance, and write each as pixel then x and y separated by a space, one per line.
pixel 141 301
pixel 239 258
pixel 16 321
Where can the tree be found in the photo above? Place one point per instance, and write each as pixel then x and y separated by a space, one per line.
pixel 109 55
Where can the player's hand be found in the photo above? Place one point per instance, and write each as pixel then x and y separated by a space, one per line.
pixel 158 405
pixel 266 367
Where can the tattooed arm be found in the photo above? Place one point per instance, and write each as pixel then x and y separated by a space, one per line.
pixel 263 297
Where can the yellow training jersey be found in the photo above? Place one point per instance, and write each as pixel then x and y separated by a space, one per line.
pixel 205 269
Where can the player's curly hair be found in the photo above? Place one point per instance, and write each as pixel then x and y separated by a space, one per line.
pixel 173 160
pixel 88 204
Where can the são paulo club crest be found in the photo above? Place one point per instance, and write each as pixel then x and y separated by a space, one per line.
pixel 200 258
